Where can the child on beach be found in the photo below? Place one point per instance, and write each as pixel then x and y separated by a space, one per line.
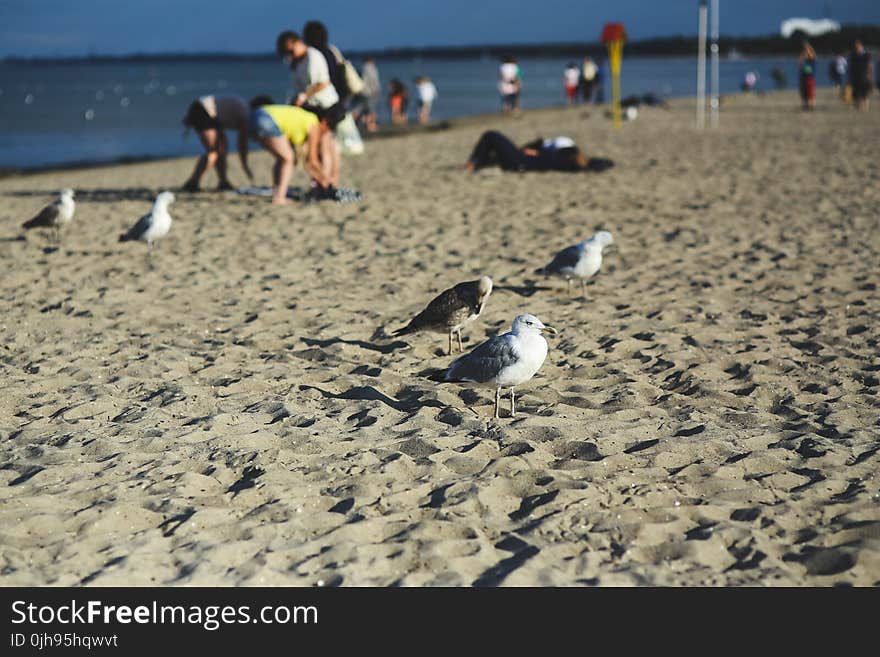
pixel 397 101
pixel 427 93
pixel 570 79
pixel 509 85
pixel 281 129
pixel 210 117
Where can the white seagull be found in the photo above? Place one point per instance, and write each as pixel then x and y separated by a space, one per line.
pixel 504 361
pixel 153 225
pixel 55 215
pixel 452 310
pixel 581 260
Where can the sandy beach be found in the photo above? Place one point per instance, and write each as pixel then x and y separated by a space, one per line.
pixel 232 409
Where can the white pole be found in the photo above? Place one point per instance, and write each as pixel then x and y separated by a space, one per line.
pixel 701 67
pixel 714 100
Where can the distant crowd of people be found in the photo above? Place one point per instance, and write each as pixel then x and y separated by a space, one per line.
pixel 852 73
pixel 585 81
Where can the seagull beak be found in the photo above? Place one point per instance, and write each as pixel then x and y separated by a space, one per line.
pixel 551 329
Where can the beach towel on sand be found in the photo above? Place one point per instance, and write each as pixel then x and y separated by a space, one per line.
pixel 340 195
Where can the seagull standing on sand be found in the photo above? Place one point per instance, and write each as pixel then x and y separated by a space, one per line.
pixel 452 310
pixel 581 261
pixel 154 225
pixel 55 215
pixel 504 361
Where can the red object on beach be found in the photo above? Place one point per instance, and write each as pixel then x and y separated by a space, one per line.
pixel 613 32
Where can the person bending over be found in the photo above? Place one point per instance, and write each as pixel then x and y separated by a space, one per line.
pixel 281 129
pixel 210 117
pixel 557 154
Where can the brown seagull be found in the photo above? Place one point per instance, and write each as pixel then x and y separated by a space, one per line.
pixel 452 310
pixel 55 215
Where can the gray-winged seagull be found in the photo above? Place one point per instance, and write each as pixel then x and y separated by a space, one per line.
pixel 504 361
pixel 56 215
pixel 154 225
pixel 452 310
pixel 581 260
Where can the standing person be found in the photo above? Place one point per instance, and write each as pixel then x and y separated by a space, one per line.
pixel 370 95
pixel 210 117
pixel 599 84
pixel 398 98
pixel 427 92
pixel 570 78
pixel 807 77
pixel 589 72
pixel 750 82
pixel 860 75
pixel 509 85
pixel 315 92
pixel 282 128
pixel 841 78
pixel 778 76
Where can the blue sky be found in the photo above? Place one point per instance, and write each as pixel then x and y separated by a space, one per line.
pixel 78 27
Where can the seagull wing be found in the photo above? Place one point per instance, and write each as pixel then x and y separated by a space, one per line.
pixel 485 362
pixel 437 313
pixel 46 218
pixel 564 260
pixel 142 226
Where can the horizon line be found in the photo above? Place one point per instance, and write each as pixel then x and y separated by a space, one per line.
pixel 392 51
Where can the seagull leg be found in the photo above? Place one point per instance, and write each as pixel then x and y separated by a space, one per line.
pixel 450 343
pixel 460 347
pixel 583 288
pixel 497 401
pixel 512 406
pixel 568 280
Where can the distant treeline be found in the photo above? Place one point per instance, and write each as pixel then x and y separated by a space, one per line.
pixel 830 43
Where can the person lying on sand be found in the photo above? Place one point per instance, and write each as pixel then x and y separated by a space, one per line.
pixel 210 117
pixel 557 154
pixel 281 129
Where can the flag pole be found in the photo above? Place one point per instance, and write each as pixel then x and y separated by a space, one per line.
pixel 714 99
pixel 701 66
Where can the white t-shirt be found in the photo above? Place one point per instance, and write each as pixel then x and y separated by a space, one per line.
pixel 427 92
pixel 311 70
pixel 572 76
pixel 589 70
pixel 555 143
pixel 509 74
pixel 230 111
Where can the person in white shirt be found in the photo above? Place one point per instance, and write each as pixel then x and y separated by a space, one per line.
pixel 210 117
pixel 427 92
pixel 509 85
pixel 315 93
pixel 570 79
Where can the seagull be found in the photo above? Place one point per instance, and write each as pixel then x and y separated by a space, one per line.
pixel 581 260
pixel 153 225
pixel 55 215
pixel 504 361
pixel 452 310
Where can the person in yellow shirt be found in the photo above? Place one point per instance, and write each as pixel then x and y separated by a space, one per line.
pixel 281 129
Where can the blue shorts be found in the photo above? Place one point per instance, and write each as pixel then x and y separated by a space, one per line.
pixel 261 125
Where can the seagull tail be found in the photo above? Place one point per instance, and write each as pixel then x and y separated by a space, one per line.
pixel 406 330
pixel 124 237
pixel 436 375
pixel 31 223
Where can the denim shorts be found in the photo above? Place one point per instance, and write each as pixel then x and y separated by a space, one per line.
pixel 261 125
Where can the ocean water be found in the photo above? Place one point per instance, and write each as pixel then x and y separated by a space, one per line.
pixel 63 113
